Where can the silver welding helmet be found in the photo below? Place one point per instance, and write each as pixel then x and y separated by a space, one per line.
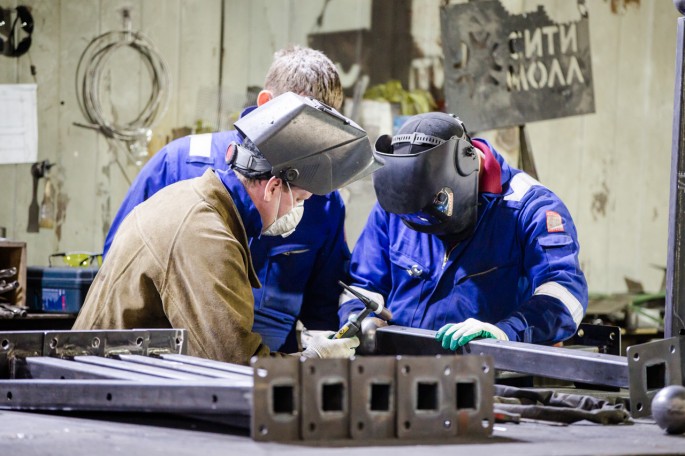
pixel 430 175
pixel 308 144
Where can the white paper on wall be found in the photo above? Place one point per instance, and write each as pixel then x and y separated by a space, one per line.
pixel 18 124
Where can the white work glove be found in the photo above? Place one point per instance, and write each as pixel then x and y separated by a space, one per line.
pixel 455 335
pixel 320 346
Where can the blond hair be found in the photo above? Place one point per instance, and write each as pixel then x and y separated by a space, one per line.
pixel 306 72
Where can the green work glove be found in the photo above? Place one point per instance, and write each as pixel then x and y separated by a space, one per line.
pixel 455 335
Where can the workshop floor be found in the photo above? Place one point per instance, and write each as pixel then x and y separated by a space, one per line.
pixel 29 434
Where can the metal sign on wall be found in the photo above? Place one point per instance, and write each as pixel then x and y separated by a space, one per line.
pixel 503 70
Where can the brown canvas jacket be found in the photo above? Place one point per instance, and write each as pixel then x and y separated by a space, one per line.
pixel 181 260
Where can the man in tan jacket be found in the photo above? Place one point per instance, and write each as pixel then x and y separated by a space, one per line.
pixel 181 259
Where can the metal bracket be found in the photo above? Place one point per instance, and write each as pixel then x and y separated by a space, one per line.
pixel 651 367
pixel 646 368
pixel 16 346
pixel 113 342
pixel 325 407
pixel 607 339
pixel 444 396
pixel 372 403
pixel 371 398
pixel 276 399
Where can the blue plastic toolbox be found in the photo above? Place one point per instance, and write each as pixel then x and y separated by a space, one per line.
pixel 57 289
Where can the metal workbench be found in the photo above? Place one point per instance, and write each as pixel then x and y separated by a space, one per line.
pixel 30 434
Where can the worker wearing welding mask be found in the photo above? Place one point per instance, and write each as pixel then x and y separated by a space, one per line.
pixel 299 272
pixel 462 243
pixel 181 259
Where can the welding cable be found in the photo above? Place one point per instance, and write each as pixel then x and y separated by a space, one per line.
pixel 89 74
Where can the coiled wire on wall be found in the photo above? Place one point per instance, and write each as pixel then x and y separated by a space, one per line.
pixel 89 75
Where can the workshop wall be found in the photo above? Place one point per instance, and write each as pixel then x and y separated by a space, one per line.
pixel 612 168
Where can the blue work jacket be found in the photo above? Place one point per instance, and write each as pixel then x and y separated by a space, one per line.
pixel 519 270
pixel 298 273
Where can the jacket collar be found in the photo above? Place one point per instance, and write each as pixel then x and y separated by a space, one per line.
pixel 249 214
pixel 490 181
pixel 506 172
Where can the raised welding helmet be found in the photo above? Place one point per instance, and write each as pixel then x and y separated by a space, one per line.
pixel 430 175
pixel 305 143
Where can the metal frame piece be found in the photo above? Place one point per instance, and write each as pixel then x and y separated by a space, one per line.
pixel 658 363
pixel 22 344
pixel 276 399
pixel 40 367
pixel 168 373
pixel 554 362
pixel 368 398
pixel 674 323
pixel 209 363
pixel 474 377
pixel 425 397
pixel 372 400
pixel 652 366
pixel 18 345
pixel 112 342
pixel 444 396
pixel 607 339
pixel 205 397
pixel 177 366
pixel 325 409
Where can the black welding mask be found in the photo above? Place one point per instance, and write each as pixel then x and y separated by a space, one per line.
pixel 308 144
pixel 430 175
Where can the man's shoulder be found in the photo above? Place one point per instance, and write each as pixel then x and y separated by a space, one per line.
pixel 200 144
pixel 172 203
pixel 522 188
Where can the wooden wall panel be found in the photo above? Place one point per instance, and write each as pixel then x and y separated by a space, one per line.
pixel 657 125
pixel 198 79
pixel 268 33
pixel 628 176
pixel 161 24
pixel 611 167
pixel 152 18
pixel 9 174
pixel 121 96
pixel 78 147
pixel 43 49
pixel 236 70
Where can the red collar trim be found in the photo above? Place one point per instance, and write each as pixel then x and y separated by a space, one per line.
pixel 491 177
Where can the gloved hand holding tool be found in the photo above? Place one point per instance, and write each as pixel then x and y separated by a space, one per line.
pixel 455 335
pixel 354 322
pixel 323 345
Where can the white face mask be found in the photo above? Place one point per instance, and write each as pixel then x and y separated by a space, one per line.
pixel 286 224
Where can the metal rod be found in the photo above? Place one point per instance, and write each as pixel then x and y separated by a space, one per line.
pixel 210 363
pixel 182 367
pixel 54 368
pixel 554 362
pixel 204 397
pixel 140 368
pixel 675 269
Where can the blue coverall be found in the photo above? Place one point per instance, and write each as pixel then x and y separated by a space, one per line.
pixel 298 273
pixel 519 270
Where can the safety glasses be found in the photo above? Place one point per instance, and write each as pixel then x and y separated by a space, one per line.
pixel 78 259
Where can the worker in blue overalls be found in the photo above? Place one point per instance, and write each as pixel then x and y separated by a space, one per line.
pixel 462 243
pixel 299 272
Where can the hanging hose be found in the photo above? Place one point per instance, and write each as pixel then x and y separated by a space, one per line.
pixel 89 75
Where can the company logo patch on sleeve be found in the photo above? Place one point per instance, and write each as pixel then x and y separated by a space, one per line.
pixel 554 222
